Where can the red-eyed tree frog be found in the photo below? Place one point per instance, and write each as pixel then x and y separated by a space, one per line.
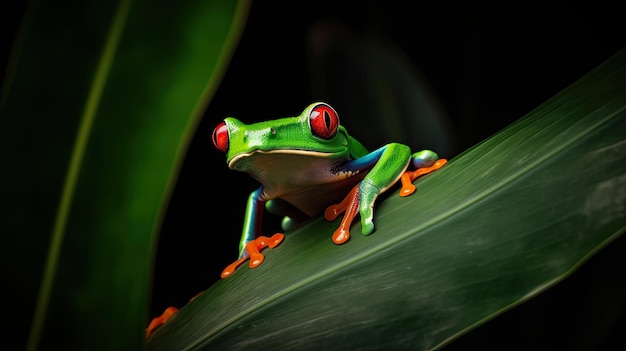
pixel 308 165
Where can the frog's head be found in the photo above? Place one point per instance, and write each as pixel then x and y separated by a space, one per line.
pixel 315 133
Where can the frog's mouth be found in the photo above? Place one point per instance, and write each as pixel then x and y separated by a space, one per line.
pixel 272 157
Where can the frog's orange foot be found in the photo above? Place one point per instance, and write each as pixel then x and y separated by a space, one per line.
pixel 253 248
pixel 409 176
pixel 349 205
pixel 341 235
pixel 160 320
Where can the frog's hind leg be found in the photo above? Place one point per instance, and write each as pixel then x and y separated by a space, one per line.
pixel 387 165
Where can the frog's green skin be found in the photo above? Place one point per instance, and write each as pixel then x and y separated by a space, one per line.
pixel 308 162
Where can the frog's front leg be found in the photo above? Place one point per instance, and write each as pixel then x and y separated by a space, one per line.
pixel 252 242
pixel 390 163
pixel 387 166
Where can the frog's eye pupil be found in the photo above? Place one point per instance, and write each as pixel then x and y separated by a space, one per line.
pixel 327 120
pixel 324 121
pixel 220 137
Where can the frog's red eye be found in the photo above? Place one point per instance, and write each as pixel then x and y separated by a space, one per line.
pixel 220 137
pixel 324 121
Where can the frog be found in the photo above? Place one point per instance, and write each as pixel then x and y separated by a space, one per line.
pixel 309 165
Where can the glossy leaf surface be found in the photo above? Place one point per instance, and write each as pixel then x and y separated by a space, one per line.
pixel 500 223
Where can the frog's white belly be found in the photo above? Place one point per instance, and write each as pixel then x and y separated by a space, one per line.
pixel 310 183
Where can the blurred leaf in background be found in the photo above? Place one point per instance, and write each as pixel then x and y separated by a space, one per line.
pixel 382 96
pixel 99 103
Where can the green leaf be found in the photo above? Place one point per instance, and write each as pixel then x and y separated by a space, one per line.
pixel 98 106
pixel 500 223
